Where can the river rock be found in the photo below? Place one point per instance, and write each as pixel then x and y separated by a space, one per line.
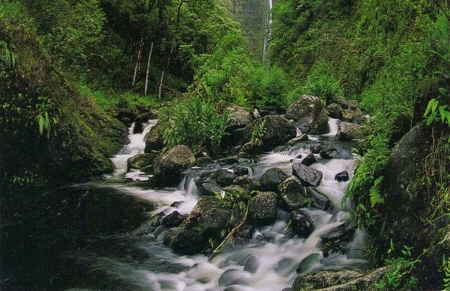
pixel 262 208
pixel 301 223
pixel 251 264
pixel 334 111
pixel 206 222
pixel 309 115
pixel 348 131
pixel 173 219
pixel 168 168
pixel 308 176
pixel 318 200
pixel 309 160
pixel 141 162
pixel 358 117
pixel 239 117
pixel 278 131
pixel 272 178
pixel 347 104
pixel 153 140
pixel 224 177
pixel 342 176
pixel 292 193
pixel 343 280
pixel 309 264
pixel 247 183
pixel 329 152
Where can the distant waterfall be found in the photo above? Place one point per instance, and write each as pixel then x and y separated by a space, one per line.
pixel 268 23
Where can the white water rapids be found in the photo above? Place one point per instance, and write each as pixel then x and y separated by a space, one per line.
pixel 268 262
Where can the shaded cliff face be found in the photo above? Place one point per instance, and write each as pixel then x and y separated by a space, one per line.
pixel 252 16
pixel 410 213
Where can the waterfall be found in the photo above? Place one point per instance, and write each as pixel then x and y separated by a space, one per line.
pixel 268 23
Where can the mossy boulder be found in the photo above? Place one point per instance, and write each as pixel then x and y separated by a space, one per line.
pixel 203 226
pixel 168 168
pixel 309 114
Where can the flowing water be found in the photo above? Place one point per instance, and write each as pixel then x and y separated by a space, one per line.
pixel 102 255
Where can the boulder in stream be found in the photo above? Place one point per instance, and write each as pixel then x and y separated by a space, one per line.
pixel 308 176
pixel 263 208
pixel 153 140
pixel 348 131
pixel 278 131
pixel 205 223
pixel 168 168
pixel 309 114
pixel 293 194
pixel 272 178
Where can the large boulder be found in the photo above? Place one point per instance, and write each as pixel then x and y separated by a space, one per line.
pixel 143 162
pixel 239 117
pixel 348 131
pixel 272 178
pixel 278 131
pixel 309 114
pixel 153 140
pixel 262 208
pixel 308 176
pixel 344 280
pixel 293 194
pixel 205 223
pixel 168 168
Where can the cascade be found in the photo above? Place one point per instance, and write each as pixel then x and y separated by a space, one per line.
pixel 270 261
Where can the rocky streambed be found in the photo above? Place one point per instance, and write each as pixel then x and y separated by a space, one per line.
pixel 266 217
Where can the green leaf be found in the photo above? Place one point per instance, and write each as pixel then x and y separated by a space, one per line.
pixel 429 106
pixel 41 124
pixel 442 113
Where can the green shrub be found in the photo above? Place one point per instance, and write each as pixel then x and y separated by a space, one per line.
pixel 196 123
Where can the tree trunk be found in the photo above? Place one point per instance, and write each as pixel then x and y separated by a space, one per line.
pixel 138 62
pixel 148 69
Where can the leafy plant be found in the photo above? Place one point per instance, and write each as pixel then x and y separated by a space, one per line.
pixel 258 132
pixel 399 270
pixel 365 187
pixel 436 112
pixel 196 123
pixel 324 87
pixel 446 267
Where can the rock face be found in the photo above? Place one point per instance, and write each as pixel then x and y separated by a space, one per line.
pixel 168 168
pixel 309 115
pixel 348 131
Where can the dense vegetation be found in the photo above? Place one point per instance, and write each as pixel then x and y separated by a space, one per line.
pixel 67 70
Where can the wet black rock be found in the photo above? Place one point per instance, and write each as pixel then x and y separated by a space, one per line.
pixel 301 223
pixel 318 200
pixel 173 219
pixel 263 208
pixel 308 176
pixel 342 176
pixel 309 160
pixel 272 178
pixel 224 177
pixel 329 152
pixel 292 193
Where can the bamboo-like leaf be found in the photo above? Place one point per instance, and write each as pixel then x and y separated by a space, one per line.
pixel 41 124
pixel 442 113
pixel 429 106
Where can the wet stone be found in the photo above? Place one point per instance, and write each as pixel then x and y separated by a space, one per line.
pixel 309 160
pixel 251 264
pixel 342 176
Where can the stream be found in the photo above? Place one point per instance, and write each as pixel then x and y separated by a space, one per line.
pixel 83 241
